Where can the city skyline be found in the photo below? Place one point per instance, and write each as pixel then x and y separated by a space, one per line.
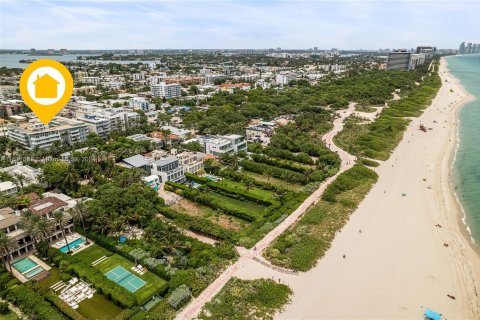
pixel 236 25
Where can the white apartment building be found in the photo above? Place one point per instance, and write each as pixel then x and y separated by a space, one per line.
pixel 92 80
pixel 138 103
pixel 138 76
pixel 103 121
pixel 168 169
pixel 172 90
pixel 113 85
pixel 283 79
pixel 34 134
pixel 191 161
pixel 218 145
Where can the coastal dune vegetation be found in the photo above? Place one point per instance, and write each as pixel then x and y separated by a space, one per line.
pixel 377 139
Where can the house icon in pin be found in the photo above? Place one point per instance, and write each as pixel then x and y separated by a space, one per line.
pixel 45 87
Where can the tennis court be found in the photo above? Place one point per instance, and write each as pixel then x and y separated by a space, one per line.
pixel 125 278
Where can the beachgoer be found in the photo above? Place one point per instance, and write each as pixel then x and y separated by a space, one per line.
pixel 344 256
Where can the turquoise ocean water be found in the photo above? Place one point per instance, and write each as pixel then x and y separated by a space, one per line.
pixel 466 68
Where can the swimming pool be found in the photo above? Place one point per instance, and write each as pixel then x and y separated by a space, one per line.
pixel 27 267
pixel 24 264
pixel 72 245
pixel 34 272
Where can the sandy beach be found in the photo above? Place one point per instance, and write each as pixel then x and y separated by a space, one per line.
pixel 399 262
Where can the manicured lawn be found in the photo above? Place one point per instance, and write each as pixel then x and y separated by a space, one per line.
pixel 51 280
pixel 153 285
pixel 251 206
pixel 264 194
pixel 98 307
pixel 274 181
pixel 93 253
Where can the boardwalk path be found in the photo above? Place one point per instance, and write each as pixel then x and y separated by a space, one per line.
pixel 248 256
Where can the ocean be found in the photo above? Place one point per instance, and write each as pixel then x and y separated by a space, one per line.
pixel 466 173
pixel 11 60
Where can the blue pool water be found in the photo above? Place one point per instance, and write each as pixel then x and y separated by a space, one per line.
pixel 72 245
pixel 27 267
pixel 24 265
pixel 33 273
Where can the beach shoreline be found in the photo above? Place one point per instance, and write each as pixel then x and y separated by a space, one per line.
pixel 462 215
pixel 413 251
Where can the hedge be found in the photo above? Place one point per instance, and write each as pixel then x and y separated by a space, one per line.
pixel 280 173
pixel 108 288
pixel 198 224
pixel 32 303
pixel 110 244
pixel 63 307
pixel 279 163
pixel 204 198
pixel 231 192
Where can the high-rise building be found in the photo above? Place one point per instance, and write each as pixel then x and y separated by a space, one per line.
pixel 468 48
pixel 32 50
pixel 405 60
pixel 171 90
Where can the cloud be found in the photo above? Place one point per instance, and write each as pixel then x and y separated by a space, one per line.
pixel 235 24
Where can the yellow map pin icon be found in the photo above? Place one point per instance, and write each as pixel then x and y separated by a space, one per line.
pixel 46 86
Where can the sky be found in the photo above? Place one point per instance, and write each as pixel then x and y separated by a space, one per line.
pixel 229 24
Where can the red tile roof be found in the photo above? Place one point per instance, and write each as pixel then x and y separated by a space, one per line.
pixel 46 205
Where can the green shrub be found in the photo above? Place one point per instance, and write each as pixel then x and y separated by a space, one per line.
pixel 247 299
pixel 4 308
pixel 32 304
pixel 63 307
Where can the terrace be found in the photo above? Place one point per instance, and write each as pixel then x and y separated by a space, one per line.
pixel 29 267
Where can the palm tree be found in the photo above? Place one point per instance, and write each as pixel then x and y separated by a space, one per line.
pixel 80 212
pixel 7 244
pixel 20 179
pixel 71 179
pixel 61 220
pixel 43 227
pixel 28 222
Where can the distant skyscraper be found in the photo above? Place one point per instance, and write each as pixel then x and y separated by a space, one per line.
pixel 468 48
pixel 32 50
pixel 315 48
pixel 461 50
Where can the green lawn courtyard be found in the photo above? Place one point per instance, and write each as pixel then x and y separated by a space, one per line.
pixel 98 307
pixel 153 283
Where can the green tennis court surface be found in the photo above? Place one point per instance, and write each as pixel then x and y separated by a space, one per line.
pixel 125 278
